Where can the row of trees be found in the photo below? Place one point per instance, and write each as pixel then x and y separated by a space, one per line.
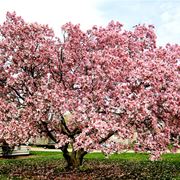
pixel 112 81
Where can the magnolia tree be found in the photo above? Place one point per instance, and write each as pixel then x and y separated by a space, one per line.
pixel 113 82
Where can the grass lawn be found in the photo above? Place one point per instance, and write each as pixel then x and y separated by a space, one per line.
pixel 50 165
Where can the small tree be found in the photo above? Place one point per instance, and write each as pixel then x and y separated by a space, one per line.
pixel 112 81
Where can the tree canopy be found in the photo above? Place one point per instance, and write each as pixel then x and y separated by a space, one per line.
pixel 112 82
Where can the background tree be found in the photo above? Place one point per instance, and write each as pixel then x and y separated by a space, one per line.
pixel 112 81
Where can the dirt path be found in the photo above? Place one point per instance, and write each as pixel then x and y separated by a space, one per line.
pixel 44 149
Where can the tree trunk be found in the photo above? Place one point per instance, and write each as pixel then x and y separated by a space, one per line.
pixel 74 159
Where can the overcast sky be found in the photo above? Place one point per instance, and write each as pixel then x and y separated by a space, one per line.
pixel 163 14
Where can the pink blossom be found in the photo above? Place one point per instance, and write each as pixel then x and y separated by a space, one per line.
pixel 113 83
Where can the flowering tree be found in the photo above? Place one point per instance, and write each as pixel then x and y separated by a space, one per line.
pixel 113 82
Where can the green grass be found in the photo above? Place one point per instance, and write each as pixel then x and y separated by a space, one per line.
pixel 46 153
pixel 133 164
pixel 99 156
pixel 133 156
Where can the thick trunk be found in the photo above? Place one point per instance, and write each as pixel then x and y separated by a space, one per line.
pixel 74 159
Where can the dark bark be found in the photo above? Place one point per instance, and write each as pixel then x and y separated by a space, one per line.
pixel 46 130
pixel 73 159
pixel 111 133
pixel 6 149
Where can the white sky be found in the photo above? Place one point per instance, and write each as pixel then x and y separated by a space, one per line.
pixel 164 14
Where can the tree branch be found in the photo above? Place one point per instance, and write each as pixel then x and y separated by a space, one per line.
pixel 17 93
pixel 49 133
pixel 66 130
pixel 111 133
pixel 61 55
